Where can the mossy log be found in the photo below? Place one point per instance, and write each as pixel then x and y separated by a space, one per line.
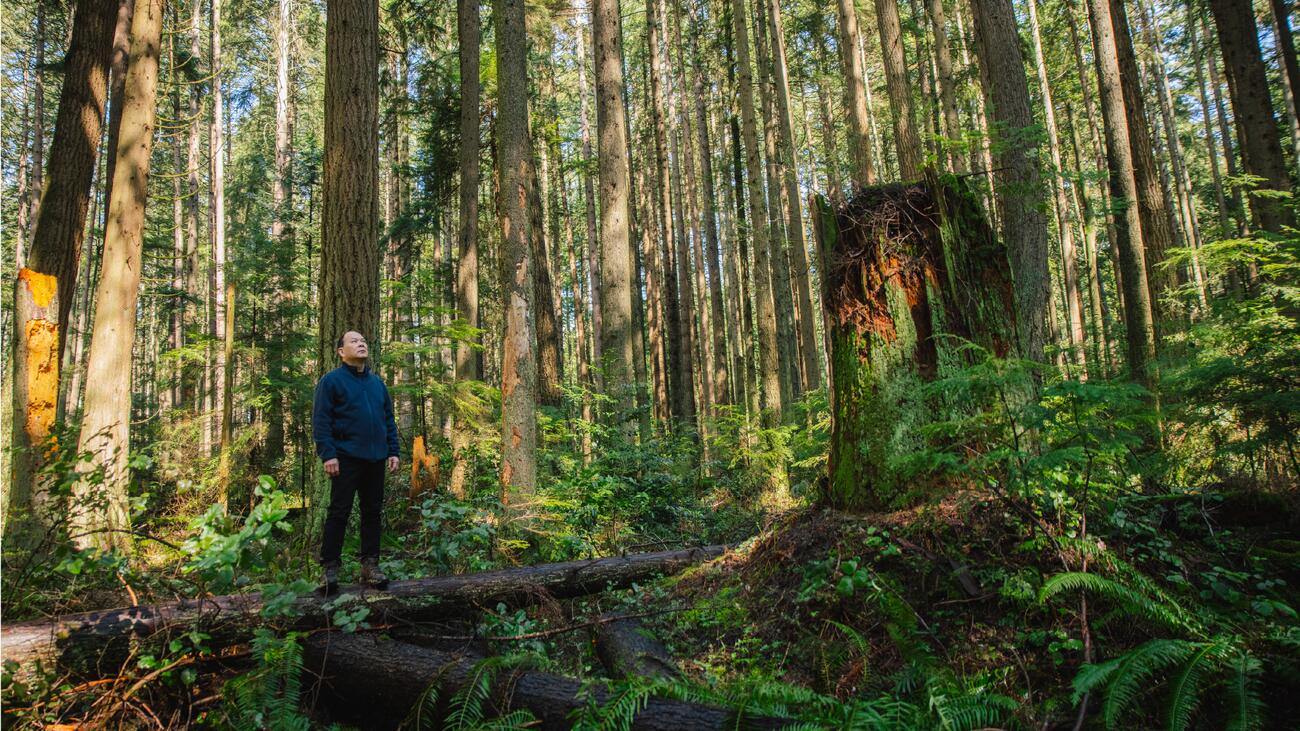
pixel 376 683
pixel 97 643
pixel 627 648
pixel 911 273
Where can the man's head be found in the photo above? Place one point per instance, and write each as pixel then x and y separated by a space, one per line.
pixel 352 348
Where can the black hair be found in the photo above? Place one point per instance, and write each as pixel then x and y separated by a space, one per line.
pixel 339 343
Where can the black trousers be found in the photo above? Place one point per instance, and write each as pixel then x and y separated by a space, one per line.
pixel 364 479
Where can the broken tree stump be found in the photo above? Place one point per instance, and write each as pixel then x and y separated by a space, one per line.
pixel 424 469
pixel 96 643
pixel 376 683
pixel 912 273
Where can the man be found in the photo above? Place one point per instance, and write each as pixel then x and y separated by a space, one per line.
pixel 352 423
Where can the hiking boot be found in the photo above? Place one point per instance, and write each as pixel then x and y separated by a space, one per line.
pixel 331 586
pixel 371 574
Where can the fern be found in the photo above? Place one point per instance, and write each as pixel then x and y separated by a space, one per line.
pixel 268 697
pixel 1161 609
pixel 1137 667
pixel 1185 694
pixel 1246 710
pixel 467 706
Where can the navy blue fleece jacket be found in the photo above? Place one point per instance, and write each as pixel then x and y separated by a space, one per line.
pixel 353 416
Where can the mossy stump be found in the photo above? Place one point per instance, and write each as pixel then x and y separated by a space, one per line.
pixel 911 273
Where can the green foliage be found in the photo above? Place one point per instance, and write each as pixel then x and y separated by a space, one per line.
pixel 267 698
pixel 223 552
pixel 1136 602
pixel 1239 385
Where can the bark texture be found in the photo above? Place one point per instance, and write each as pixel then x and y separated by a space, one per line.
pixel 60 221
pixel 519 347
pixel 100 508
pixel 1261 145
pixel 1018 181
pixel 377 683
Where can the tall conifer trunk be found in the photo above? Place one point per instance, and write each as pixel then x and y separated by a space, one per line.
pixel 60 220
pixel 1018 181
pixel 100 511
pixel 519 345
pixel 1261 146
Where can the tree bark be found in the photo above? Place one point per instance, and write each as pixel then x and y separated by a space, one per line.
pixel 1138 318
pixel 99 640
pixel 378 683
pixel 1157 231
pixel 616 275
pixel 1069 256
pixel 905 266
pixel 1290 70
pixel 220 305
pixel 1018 180
pixel 800 271
pixel 1261 146
pixel 768 362
pixel 855 101
pixel 900 91
pixel 468 358
pixel 60 221
pixel 954 136
pixel 35 395
pixel 592 249
pixel 105 425
pixel 519 347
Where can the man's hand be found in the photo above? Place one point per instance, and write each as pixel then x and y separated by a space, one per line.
pixel 332 467
pixel 392 464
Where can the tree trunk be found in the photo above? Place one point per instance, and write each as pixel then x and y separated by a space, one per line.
pixel 953 134
pixel 1261 146
pixel 768 363
pixel 592 250
pixel 1138 318
pixel 855 100
pixel 811 365
pixel 378 683
pixel 1290 70
pixel 777 202
pixel 99 641
pixel 1157 233
pixel 616 274
pixel 1182 186
pixel 1018 182
pixel 1207 121
pixel 900 91
pixel 220 305
pixel 468 358
pixel 105 426
pixel 519 354
pixel 1069 263
pixel 1225 132
pixel 35 395
pixel 677 353
pixel 550 358
pixel 712 247
pixel 61 216
pixel 904 265
pixel 282 230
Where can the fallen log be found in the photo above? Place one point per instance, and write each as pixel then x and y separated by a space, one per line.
pixel 376 683
pixel 626 648
pixel 97 643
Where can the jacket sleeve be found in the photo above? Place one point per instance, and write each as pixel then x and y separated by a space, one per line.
pixel 322 423
pixel 390 425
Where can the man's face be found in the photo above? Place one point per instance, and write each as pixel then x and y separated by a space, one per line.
pixel 354 348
